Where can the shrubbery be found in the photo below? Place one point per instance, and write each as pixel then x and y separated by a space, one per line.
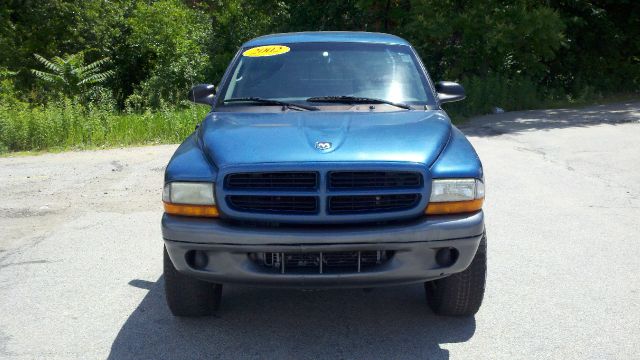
pixel 514 54
pixel 70 124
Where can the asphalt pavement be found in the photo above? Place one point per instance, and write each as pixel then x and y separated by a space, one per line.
pixel 81 260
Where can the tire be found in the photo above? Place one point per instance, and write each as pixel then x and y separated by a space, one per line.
pixel 188 296
pixel 460 294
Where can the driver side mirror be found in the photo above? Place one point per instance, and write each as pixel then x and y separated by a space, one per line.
pixel 202 94
pixel 449 91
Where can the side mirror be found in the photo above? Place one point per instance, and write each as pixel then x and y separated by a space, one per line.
pixel 202 94
pixel 449 91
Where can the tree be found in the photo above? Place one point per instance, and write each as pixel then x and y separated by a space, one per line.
pixel 70 75
pixel 236 21
pixel 169 42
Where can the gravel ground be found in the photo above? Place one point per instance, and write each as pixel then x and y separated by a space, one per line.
pixel 81 249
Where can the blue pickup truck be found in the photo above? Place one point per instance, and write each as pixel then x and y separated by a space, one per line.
pixel 326 161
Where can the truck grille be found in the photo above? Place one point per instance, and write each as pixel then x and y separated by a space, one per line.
pixel 327 193
pixel 374 179
pixel 372 203
pixel 322 262
pixel 272 180
pixel 274 204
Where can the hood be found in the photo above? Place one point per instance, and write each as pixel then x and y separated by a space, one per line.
pixel 402 136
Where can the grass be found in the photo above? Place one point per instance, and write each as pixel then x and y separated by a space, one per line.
pixel 71 126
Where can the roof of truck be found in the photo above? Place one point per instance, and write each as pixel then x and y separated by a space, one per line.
pixel 326 36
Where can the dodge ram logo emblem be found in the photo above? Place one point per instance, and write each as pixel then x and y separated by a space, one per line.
pixel 323 145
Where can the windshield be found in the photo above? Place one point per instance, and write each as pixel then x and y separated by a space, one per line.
pixel 297 72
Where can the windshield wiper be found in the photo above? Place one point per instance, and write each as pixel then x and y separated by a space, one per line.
pixel 271 102
pixel 357 99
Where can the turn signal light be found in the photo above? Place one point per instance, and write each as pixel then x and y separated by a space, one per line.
pixel 191 210
pixel 454 207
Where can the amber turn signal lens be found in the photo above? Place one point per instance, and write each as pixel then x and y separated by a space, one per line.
pixel 191 210
pixel 454 207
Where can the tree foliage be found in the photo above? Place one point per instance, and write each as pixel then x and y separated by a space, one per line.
pixel 158 48
pixel 170 41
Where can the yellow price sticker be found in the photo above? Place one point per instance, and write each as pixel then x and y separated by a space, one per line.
pixel 269 50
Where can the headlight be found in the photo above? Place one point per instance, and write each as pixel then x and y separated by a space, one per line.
pixel 449 196
pixel 194 193
pixel 190 199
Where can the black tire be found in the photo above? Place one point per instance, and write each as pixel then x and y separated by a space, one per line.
pixel 460 294
pixel 188 296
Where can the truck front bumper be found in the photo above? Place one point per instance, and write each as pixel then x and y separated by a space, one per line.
pixel 227 249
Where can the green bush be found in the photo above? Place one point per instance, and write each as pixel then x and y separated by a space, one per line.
pixel 485 93
pixel 170 40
